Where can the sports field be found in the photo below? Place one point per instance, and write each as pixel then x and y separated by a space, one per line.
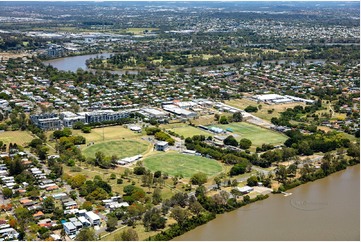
pixel 19 137
pixel 256 134
pixel 120 148
pixel 108 134
pixel 180 164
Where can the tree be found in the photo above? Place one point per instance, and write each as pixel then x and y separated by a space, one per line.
pixel 23 215
pixel 58 213
pixel 48 205
pixel 86 234
pixel 128 235
pixel 42 152
pixel 218 182
pixel 97 194
pixel 7 193
pixel 232 159
pixel 133 194
pixel 239 168
pixel 200 191
pixel 179 214
pixel 35 142
pixel 16 167
pixel 281 173
pixel 87 205
pixel 223 120
pixel 156 197
pixel 291 170
pixel 73 194
pixel 252 181
pixel 13 222
pixel 147 180
pixel 78 125
pixel 304 148
pixel 114 161
pixel 251 109
pixel 354 151
pixel 246 199
pixel 237 117
pixel 199 178
pixel 86 129
pixel 245 143
pixel 136 209
pixel 288 153
pixel 112 223
pixel 234 183
pixel 99 157
pixel 77 180
pixel 180 199
pixel 139 170
pixel 153 220
pixel 66 132
pixel 196 208
pixel 230 140
pixel 157 174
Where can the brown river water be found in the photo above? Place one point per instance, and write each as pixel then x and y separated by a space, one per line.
pixel 326 209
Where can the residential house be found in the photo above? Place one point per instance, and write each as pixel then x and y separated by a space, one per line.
pixel 93 218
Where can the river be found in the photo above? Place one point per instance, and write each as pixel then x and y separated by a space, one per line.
pixel 327 209
pixel 72 63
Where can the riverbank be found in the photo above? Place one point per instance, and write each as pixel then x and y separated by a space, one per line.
pixel 328 209
pixel 195 221
pixel 177 230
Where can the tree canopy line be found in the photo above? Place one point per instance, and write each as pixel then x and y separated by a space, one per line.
pixel 329 164
pixel 228 156
pixel 218 53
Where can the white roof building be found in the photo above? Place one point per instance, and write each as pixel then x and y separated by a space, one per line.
pixel 245 189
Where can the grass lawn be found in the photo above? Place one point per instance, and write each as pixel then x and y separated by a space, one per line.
pixel 105 134
pixel 120 148
pixel 110 133
pixel 91 171
pixel 205 120
pixel 19 137
pixel 185 130
pixel 139 30
pixel 256 134
pixel 204 57
pixel 263 113
pixel 174 164
pixel 139 228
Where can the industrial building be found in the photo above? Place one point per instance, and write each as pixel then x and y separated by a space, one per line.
pixel 179 111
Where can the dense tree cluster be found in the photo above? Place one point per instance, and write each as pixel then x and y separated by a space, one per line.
pixel 317 142
pixel 198 143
